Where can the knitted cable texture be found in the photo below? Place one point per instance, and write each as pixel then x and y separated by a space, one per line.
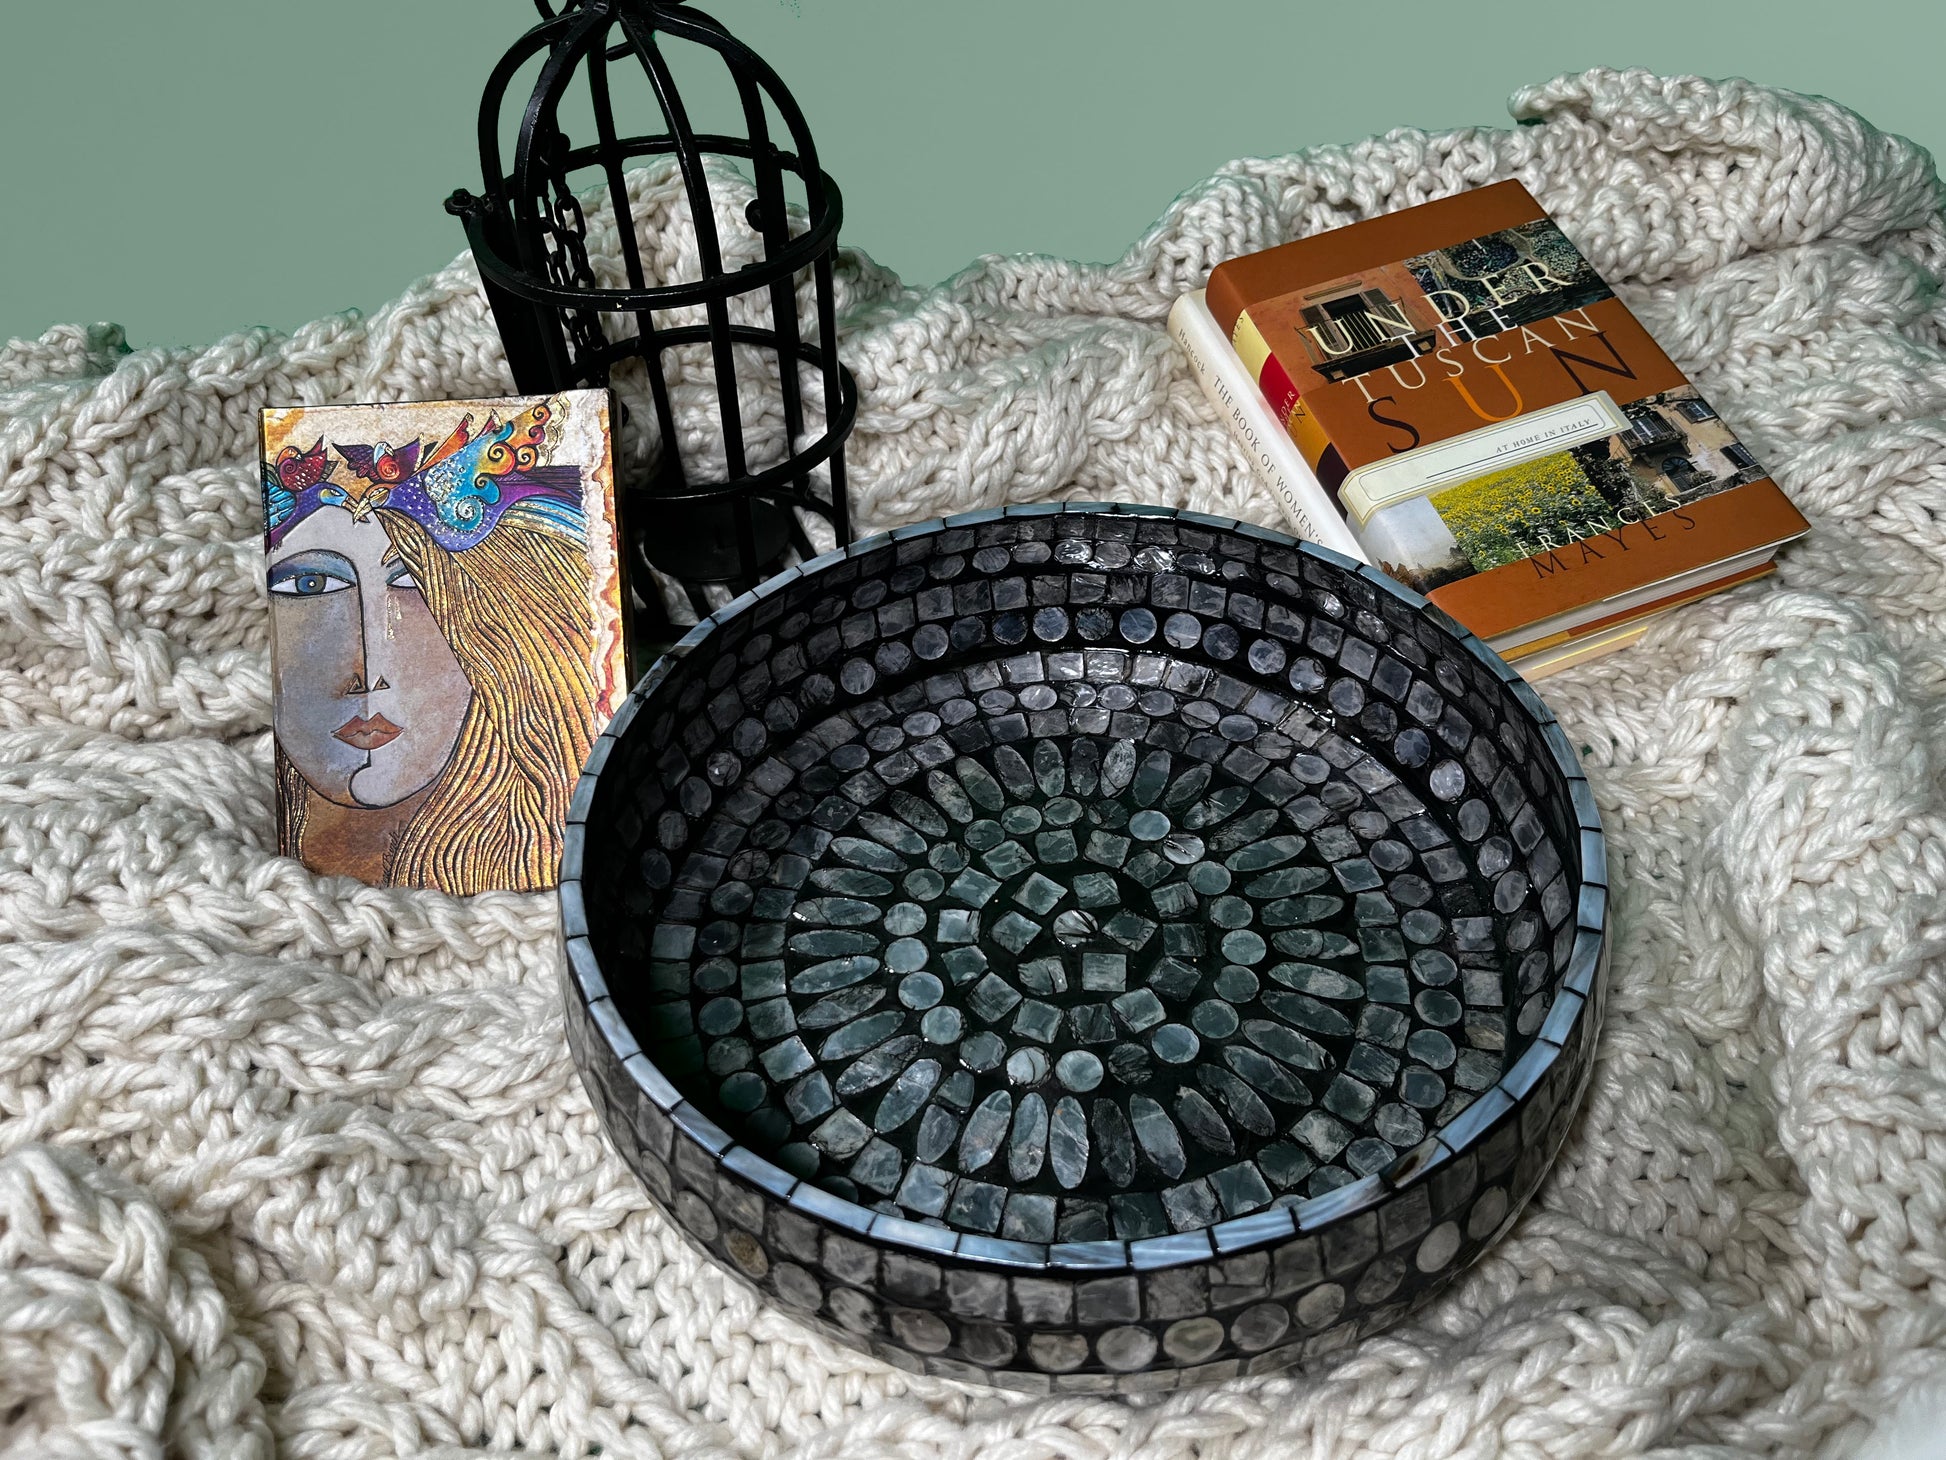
pixel 290 1165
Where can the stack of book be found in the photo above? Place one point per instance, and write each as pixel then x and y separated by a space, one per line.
pixel 1452 394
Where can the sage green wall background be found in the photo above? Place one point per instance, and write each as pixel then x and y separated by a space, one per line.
pixel 193 167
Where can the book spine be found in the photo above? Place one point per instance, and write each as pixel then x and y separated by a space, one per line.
pixel 1287 408
pixel 1223 300
pixel 1242 408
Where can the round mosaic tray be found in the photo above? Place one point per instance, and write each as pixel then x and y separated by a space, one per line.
pixel 1085 947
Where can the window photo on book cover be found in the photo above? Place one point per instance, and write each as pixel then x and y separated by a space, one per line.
pixel 445 632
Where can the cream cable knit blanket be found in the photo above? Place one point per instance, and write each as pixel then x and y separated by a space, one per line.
pixel 291 1165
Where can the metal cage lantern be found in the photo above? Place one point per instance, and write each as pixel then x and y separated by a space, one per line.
pixel 732 521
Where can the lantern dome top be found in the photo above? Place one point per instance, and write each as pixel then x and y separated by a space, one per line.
pixel 582 43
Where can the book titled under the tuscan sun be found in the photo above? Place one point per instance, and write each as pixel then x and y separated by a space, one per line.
pixel 447 634
pixel 1452 393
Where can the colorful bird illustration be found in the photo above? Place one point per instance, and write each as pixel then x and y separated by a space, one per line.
pixel 382 463
pixel 470 481
pixel 360 499
pixel 468 477
pixel 459 436
pixel 292 473
pixel 297 470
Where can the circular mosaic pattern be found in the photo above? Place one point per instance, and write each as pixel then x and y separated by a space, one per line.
pixel 1081 943
pixel 1063 986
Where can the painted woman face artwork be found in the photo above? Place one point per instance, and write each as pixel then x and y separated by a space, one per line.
pixel 446 634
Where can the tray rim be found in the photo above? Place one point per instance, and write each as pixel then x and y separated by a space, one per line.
pixel 1576 997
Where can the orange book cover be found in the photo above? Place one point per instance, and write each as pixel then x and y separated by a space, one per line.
pixel 1496 427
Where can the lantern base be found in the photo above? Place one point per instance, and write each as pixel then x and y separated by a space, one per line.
pixel 702 542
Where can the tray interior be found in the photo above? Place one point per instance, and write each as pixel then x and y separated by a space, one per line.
pixel 1042 881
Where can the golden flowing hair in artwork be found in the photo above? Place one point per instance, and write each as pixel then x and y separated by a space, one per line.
pixel 293 803
pixel 514 610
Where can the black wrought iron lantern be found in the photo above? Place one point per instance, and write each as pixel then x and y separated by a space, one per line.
pixel 729 514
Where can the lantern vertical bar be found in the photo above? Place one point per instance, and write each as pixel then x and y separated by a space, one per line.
pixel 541 143
pixel 773 206
pixel 611 159
pixel 815 184
pixel 773 222
pixel 611 163
pixel 523 324
pixel 702 215
pixel 832 371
